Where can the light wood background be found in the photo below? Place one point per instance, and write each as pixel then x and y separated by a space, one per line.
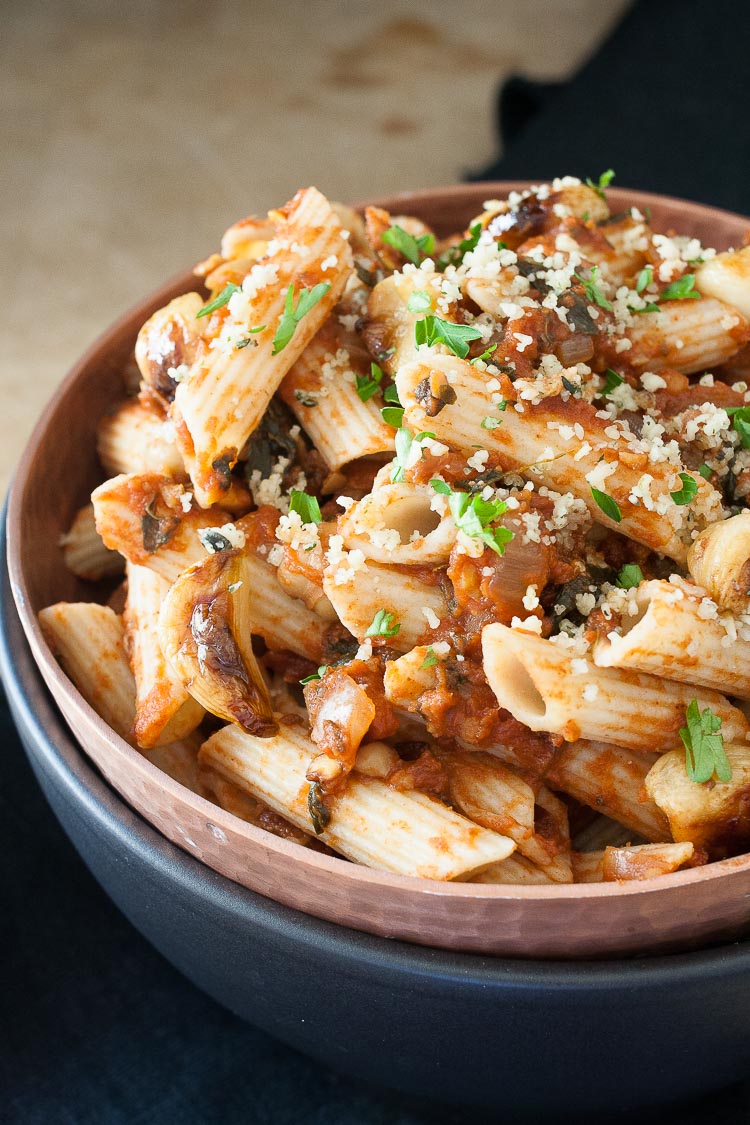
pixel 132 134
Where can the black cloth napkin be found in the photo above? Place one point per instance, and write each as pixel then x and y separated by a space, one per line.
pixel 664 102
pixel 95 1027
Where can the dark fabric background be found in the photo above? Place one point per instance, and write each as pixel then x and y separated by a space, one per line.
pixel 95 1027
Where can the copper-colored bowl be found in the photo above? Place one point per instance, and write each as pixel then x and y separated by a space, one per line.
pixel 55 476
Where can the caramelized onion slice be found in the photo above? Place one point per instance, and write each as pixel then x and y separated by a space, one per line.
pixel 205 630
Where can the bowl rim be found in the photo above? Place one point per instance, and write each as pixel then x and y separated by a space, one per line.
pixel 58 755
pixel 325 864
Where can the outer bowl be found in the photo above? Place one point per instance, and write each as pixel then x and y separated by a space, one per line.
pixel 519 1035
pixel 55 476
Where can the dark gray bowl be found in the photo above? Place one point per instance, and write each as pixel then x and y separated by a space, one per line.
pixel 512 1034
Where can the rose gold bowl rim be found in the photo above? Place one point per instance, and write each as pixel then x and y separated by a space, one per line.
pixel 337 868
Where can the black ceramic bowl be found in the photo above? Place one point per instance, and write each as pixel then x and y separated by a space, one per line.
pixel 517 1035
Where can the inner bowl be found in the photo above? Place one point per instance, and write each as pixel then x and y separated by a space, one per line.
pixel 56 474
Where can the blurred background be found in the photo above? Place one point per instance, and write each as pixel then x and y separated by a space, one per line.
pixel 133 134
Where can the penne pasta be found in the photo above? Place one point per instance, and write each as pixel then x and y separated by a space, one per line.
pixel 136 439
pixel 149 519
pixel 359 590
pixel 719 561
pixel 610 780
pixel 547 689
pixel 408 833
pixel 686 336
pixel 218 405
pixel 84 553
pixel 679 634
pixel 396 523
pixel 89 641
pixel 164 711
pixel 727 278
pixel 321 390
pixel 542 440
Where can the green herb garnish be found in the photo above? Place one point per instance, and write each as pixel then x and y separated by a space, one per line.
pixel 593 291
pixel 603 183
pixel 455 255
pixel 484 356
pixel 704 745
pixel 475 516
pixel 612 381
pixel 629 577
pixel 609 506
pixel 420 301
pixel 316 675
pixel 404 442
pixel 219 302
pixel 705 471
pixel 306 507
pixel 687 492
pixel 740 416
pixel 291 316
pixel 367 385
pixel 680 290
pixel 430 659
pixel 382 625
pixel 645 277
pixel 411 248
pixel 434 330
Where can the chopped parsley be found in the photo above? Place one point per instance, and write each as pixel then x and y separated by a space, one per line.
pixel 612 381
pixel 484 356
pixel 603 183
pixel 649 307
pixel 593 291
pixel 306 507
pixel 367 385
pixel 680 290
pixel 645 277
pixel 489 423
pixel 404 442
pixel 420 301
pixel 475 516
pixel 393 416
pixel 430 659
pixel 434 330
pixel 704 745
pixel 705 471
pixel 411 248
pixel 609 506
pixel 382 625
pixel 315 675
pixel 688 491
pixel 455 254
pixel 219 302
pixel 291 316
pixel 740 416
pixel 629 577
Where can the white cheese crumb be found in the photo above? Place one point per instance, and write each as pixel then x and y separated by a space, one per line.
pixel 234 537
pixel 431 617
pixel 530 599
pixel 590 692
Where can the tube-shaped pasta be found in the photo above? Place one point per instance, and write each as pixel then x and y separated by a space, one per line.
pixel 714 816
pixel 179 760
pixel 541 441
pixel 164 711
pixel 89 641
pixel 241 804
pixel 167 344
pixel 218 406
pixel 515 869
pixel 610 780
pixel 144 517
pixel 644 861
pixel 628 241
pixel 396 524
pixel 389 328
pixel 687 336
pixel 358 590
pixel 719 561
pixel 405 832
pixel 321 390
pixel 84 552
pixel 135 439
pixel 680 636
pixel 546 689
pixel 727 277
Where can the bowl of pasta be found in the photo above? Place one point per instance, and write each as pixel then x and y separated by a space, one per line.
pixel 398 565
